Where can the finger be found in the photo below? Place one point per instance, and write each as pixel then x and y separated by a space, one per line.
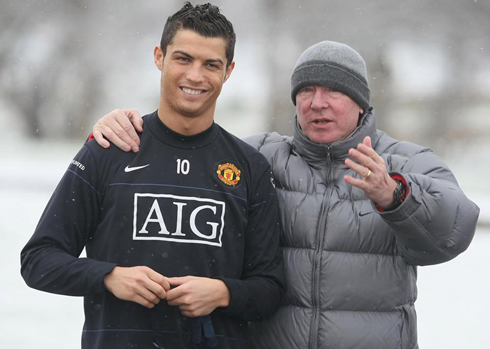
pixel 362 158
pixel 123 129
pixel 147 294
pixel 359 183
pixel 136 119
pixel 359 169
pixel 174 294
pixel 159 285
pixel 100 139
pixel 111 136
pixel 143 301
pixel 157 282
pixel 190 311
pixel 367 141
pixel 128 132
pixel 367 150
pixel 164 283
pixel 177 281
pixel 186 313
pixel 177 302
pixel 177 295
pixel 156 289
pixel 118 142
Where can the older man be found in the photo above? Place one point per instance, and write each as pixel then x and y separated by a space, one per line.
pixel 359 210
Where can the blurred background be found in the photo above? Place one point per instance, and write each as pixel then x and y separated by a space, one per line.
pixel 66 63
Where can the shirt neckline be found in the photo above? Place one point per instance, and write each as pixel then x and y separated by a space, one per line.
pixel 177 140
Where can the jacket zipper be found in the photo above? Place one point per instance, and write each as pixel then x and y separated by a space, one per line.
pixel 320 238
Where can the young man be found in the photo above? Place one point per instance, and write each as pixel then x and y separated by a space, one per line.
pixel 182 239
pixel 360 212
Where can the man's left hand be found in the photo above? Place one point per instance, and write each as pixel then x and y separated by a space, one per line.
pixel 376 182
pixel 197 296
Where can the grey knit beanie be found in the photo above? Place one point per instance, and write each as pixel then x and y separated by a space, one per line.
pixel 334 65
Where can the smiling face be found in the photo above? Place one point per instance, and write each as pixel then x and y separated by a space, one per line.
pixel 326 116
pixel 193 72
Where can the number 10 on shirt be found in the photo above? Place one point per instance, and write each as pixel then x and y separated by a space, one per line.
pixel 183 166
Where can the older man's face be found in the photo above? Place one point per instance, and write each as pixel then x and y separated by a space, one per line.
pixel 326 116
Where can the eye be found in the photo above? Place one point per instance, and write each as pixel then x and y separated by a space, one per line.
pixel 182 59
pixel 335 94
pixel 214 65
pixel 306 89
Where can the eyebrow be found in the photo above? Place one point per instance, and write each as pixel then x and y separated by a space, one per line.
pixel 215 60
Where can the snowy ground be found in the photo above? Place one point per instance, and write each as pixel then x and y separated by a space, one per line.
pixel 453 303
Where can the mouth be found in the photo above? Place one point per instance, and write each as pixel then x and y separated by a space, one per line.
pixel 321 122
pixel 193 92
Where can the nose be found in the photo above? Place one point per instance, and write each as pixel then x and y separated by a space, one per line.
pixel 319 100
pixel 195 73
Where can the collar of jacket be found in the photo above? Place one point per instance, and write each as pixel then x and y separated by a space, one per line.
pixel 338 151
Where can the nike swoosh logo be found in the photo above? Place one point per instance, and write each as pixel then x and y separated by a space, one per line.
pixel 131 169
pixel 365 213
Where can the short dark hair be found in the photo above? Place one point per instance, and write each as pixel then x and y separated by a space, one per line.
pixel 206 20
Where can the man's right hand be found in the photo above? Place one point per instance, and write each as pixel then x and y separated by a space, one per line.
pixel 119 126
pixel 141 285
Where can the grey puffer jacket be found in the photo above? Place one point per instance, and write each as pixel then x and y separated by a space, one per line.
pixel 351 270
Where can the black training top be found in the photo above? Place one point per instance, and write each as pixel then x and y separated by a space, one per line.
pixel 201 205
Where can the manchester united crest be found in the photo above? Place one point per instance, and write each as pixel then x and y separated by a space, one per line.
pixel 229 174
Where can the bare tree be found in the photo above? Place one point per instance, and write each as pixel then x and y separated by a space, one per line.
pixel 60 60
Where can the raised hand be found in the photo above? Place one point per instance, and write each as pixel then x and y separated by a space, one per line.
pixel 376 182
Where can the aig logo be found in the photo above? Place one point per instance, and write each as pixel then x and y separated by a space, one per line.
pixel 182 219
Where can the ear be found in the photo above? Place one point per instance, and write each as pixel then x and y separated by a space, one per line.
pixel 158 57
pixel 229 70
pixel 361 111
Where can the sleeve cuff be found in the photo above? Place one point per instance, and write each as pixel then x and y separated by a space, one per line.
pixel 399 178
pixel 238 296
pixel 407 207
pixel 94 276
